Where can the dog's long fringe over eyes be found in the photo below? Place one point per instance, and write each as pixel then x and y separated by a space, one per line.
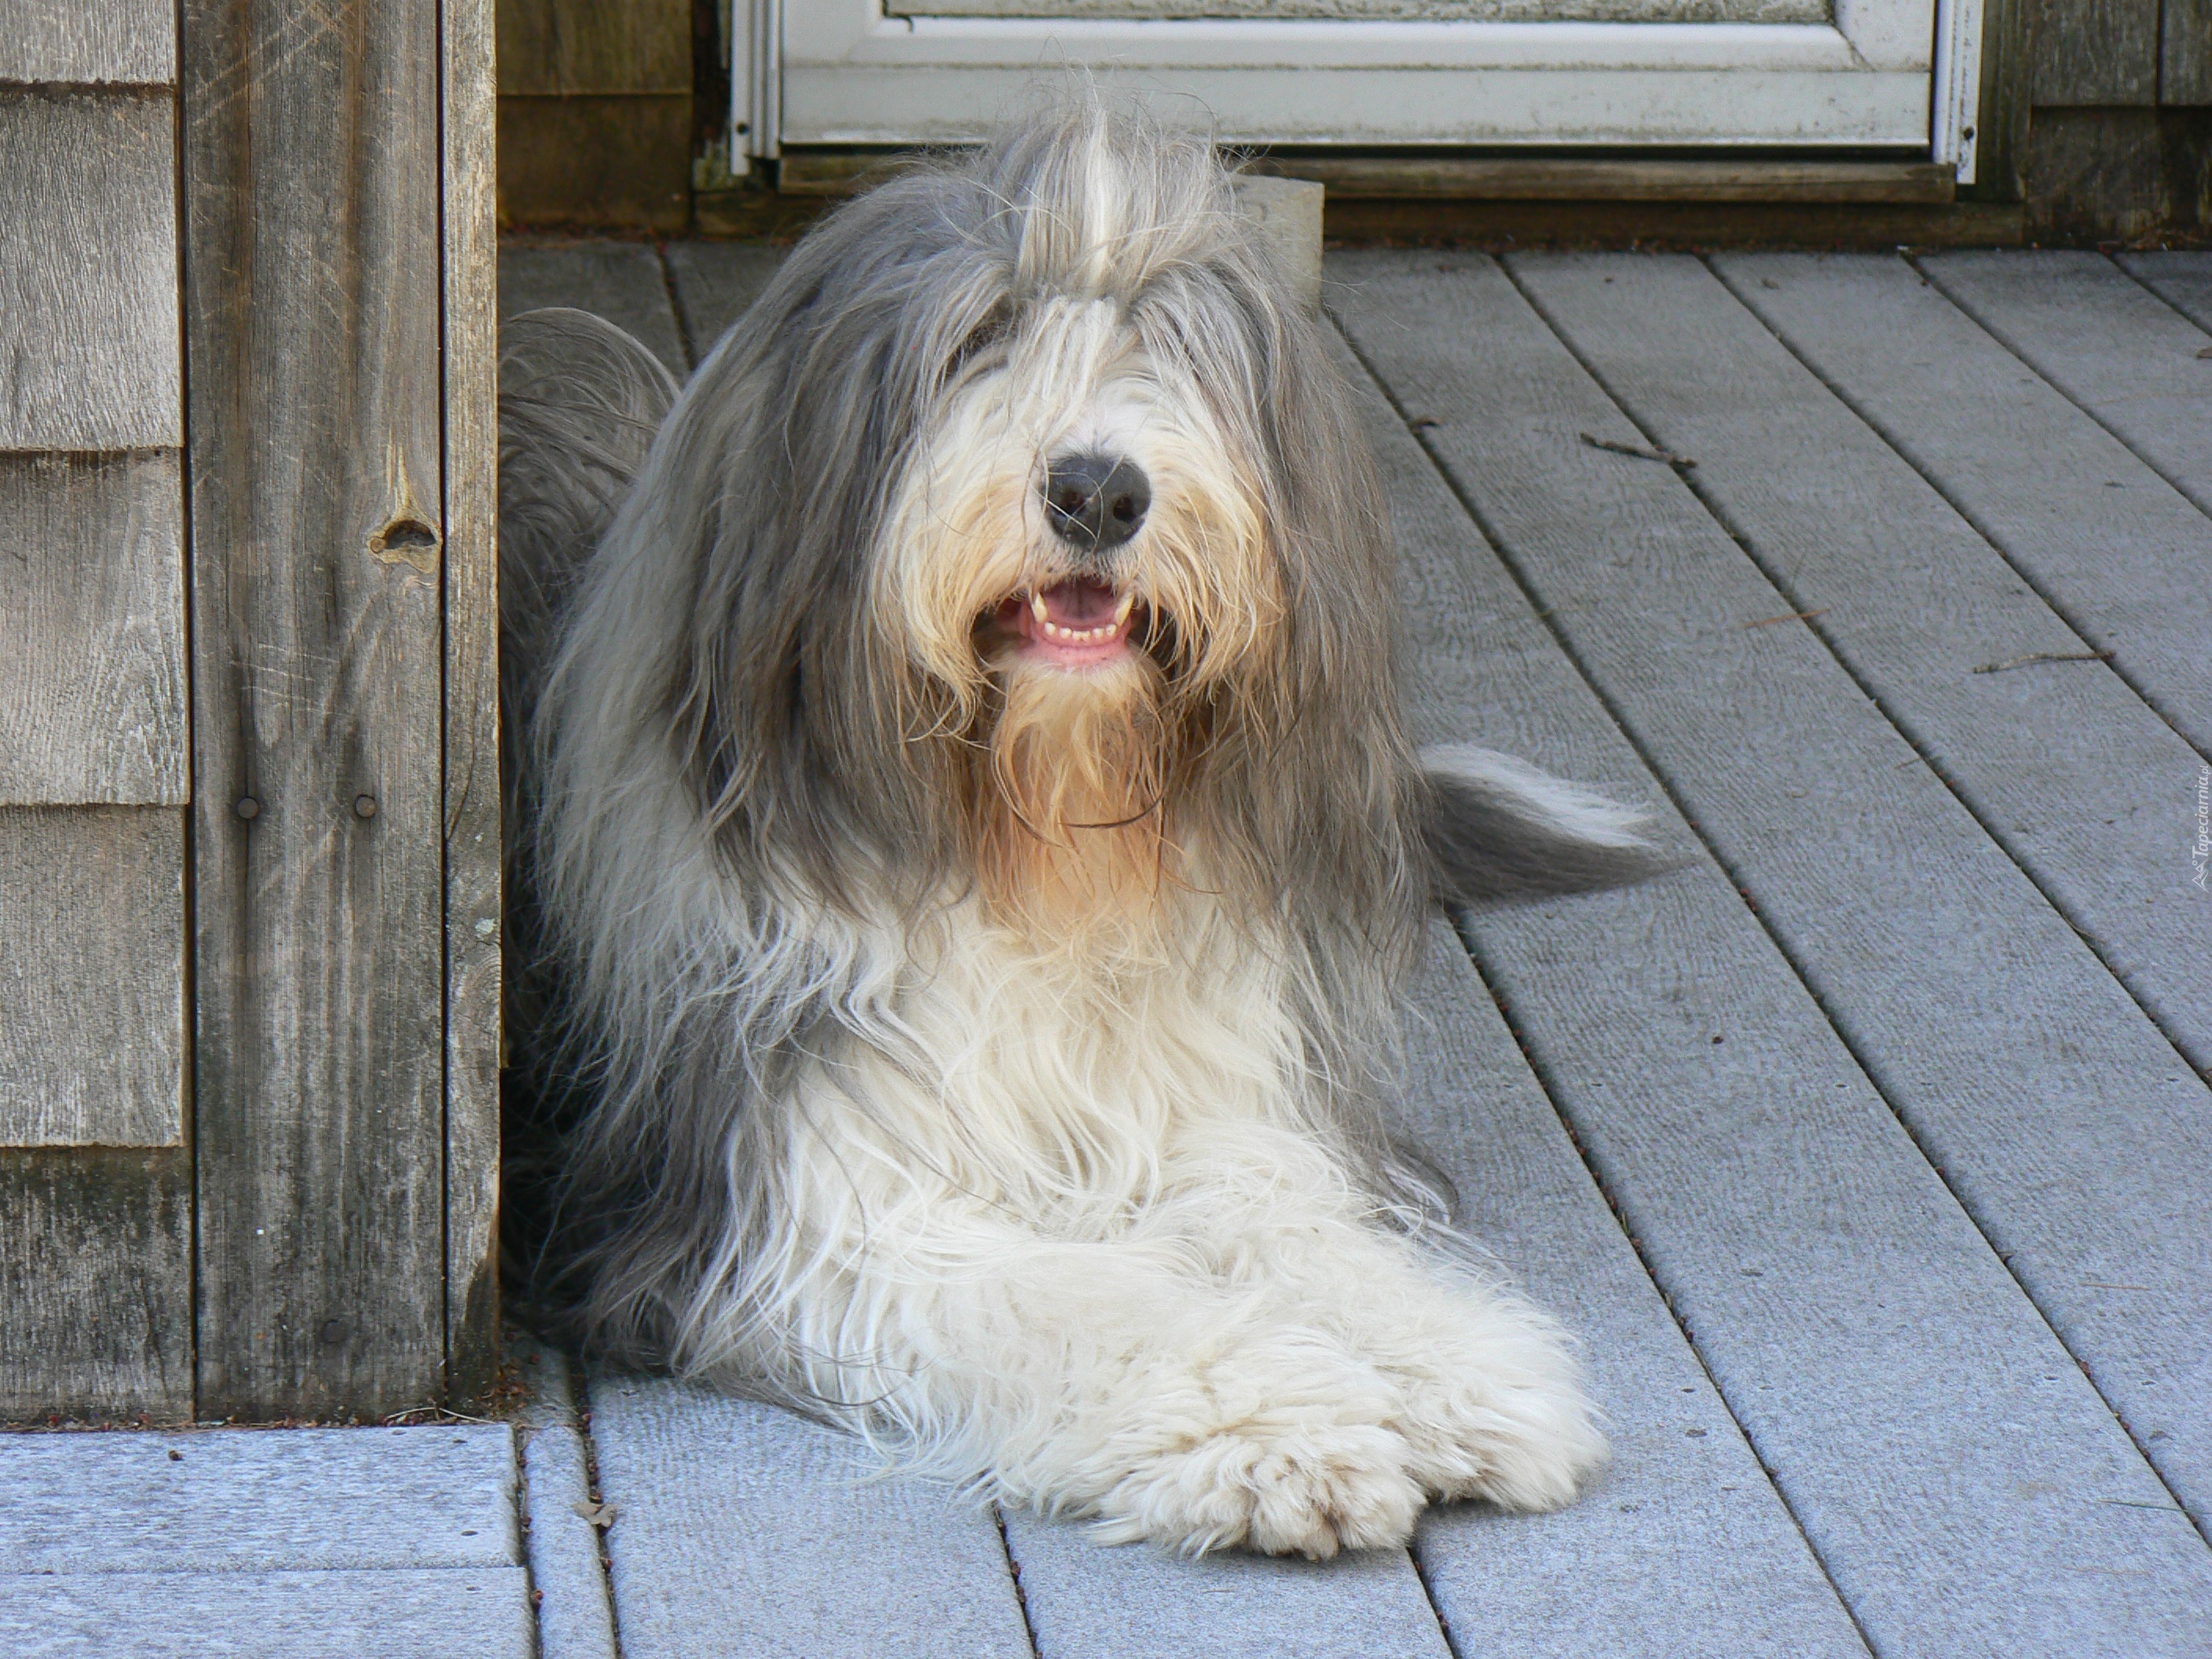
pixel 786 772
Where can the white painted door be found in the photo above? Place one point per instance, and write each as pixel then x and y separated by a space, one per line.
pixel 1895 75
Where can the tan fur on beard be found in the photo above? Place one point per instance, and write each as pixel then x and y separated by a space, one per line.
pixel 1070 839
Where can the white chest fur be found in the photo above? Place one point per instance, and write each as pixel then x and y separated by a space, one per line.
pixel 1061 1082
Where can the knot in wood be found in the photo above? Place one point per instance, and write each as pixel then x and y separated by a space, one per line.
pixel 406 540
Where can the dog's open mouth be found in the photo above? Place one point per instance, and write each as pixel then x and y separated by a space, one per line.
pixel 1079 623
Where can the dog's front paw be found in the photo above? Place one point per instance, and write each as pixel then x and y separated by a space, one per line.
pixel 1280 1488
pixel 1499 1415
pixel 1279 1444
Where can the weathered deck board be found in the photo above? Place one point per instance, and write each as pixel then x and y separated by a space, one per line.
pixel 91 976
pixel 715 283
pixel 1684 1487
pixel 280 1500
pixel 1089 1601
pixel 85 42
pixel 2183 281
pixel 2123 354
pixel 2061 762
pixel 741 1529
pixel 621 282
pixel 476 1613
pixel 575 1616
pixel 92 630
pixel 1942 1452
pixel 2121 554
pixel 88 272
pixel 1741 1580
pixel 2066 1123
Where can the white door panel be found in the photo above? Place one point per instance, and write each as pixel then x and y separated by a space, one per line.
pixel 1396 11
pixel 1875 72
pixel 852 105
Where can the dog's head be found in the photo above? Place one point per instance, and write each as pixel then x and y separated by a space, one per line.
pixel 1085 503
pixel 1034 534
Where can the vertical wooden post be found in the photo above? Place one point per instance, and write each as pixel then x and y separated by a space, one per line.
pixel 472 776
pixel 315 447
pixel 2002 142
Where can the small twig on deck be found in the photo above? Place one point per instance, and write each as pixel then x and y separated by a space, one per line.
pixel 1642 452
pixel 416 1414
pixel 1795 616
pixel 2043 656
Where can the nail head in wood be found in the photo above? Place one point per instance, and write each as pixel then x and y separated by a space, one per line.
pixel 364 806
pixel 247 808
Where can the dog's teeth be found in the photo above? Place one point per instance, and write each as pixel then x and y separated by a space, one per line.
pixel 1121 611
pixel 1098 635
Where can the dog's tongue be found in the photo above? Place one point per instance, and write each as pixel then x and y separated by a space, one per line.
pixel 1079 604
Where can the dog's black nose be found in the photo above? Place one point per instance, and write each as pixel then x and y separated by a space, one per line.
pixel 1096 501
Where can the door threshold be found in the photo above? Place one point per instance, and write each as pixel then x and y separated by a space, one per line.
pixel 1413 176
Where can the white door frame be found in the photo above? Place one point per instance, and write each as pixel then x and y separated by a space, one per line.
pixel 1902 74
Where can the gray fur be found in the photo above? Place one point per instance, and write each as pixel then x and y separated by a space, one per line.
pixel 578 404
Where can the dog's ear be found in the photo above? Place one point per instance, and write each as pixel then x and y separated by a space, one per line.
pixel 1498 828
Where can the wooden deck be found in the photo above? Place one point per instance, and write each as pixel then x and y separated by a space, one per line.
pixel 1871 1154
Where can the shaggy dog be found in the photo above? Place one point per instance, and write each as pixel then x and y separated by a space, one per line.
pixel 971 855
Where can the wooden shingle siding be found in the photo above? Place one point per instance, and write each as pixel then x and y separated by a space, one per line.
pixel 2105 52
pixel 89 271
pixel 313 287
pixel 2184 71
pixel 92 672
pixel 96 1283
pixel 96 1170
pixel 595 112
pixel 91 976
pixel 592 47
pixel 89 42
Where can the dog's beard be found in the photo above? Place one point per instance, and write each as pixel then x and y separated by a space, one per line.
pixel 1071 837
pixel 1075 753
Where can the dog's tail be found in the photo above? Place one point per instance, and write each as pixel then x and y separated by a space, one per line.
pixel 578 404
pixel 1498 828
